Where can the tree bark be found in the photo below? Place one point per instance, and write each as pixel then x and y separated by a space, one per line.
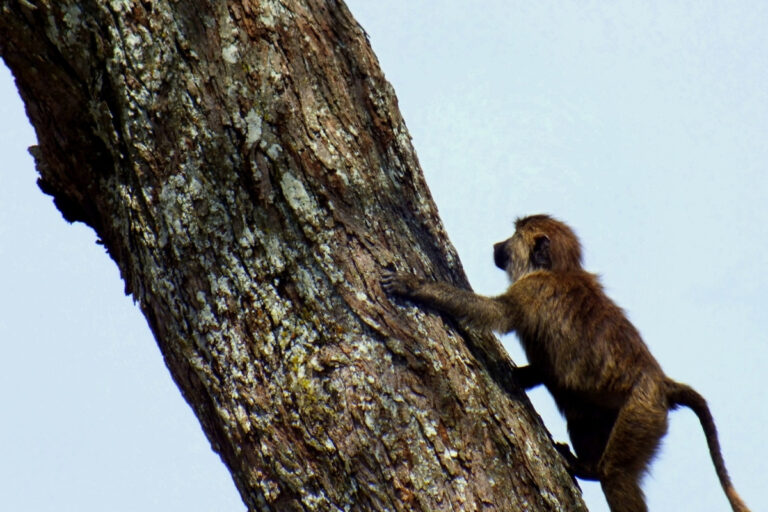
pixel 246 166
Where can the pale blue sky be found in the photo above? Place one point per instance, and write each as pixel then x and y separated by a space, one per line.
pixel 643 125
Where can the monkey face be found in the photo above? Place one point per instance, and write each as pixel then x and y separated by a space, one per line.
pixel 513 256
pixel 501 255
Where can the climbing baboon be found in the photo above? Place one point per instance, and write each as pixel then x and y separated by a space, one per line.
pixel 580 345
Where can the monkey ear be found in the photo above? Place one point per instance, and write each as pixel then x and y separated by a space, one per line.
pixel 540 256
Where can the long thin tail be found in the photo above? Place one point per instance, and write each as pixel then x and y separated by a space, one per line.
pixel 681 394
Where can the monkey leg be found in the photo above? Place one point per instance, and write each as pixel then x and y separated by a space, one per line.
pixel 623 493
pixel 589 428
pixel 634 439
pixel 575 466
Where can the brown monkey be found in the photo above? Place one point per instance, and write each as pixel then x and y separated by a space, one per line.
pixel 580 345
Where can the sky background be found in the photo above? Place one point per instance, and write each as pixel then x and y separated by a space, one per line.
pixel 644 125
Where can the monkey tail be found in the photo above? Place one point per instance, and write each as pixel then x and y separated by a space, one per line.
pixel 681 394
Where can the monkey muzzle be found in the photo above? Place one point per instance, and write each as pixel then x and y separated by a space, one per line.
pixel 501 255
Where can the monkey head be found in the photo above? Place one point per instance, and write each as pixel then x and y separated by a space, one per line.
pixel 539 242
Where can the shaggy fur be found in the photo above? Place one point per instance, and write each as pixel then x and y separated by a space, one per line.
pixel 580 345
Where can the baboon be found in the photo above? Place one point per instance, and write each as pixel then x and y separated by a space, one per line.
pixel 580 345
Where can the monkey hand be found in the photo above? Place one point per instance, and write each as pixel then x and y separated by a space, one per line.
pixel 399 283
pixel 567 454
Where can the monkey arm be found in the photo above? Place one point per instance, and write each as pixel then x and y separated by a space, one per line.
pixel 463 305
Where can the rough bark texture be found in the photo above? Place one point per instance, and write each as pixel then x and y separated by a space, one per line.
pixel 247 168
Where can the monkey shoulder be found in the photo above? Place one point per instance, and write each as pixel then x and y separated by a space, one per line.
pixel 549 304
pixel 546 284
pixel 566 321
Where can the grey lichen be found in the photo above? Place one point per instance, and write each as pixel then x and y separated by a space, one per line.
pixel 253 127
pixel 299 200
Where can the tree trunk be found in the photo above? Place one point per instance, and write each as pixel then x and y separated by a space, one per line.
pixel 246 166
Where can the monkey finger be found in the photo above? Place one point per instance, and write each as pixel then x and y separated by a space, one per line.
pixel 389 282
pixel 395 283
